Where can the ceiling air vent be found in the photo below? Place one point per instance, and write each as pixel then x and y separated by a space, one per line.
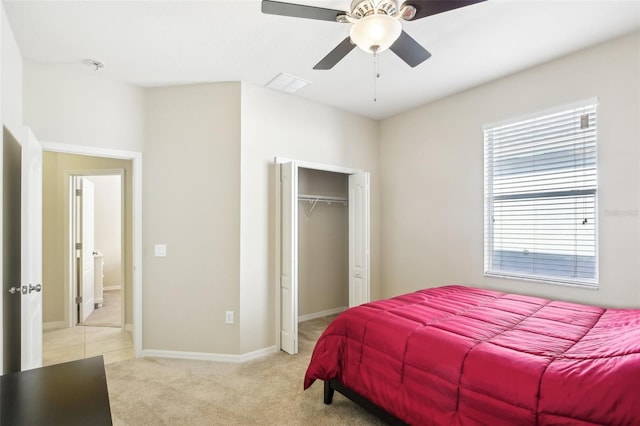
pixel 287 83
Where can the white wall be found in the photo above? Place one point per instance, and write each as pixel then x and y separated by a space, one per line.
pixel 72 104
pixel 277 124
pixel 432 176
pixel 11 76
pixel 108 221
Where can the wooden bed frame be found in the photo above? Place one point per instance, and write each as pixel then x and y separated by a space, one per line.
pixel 335 385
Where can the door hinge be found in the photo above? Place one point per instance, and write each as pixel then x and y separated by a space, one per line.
pixel 78 246
pixel 79 192
pixel 78 299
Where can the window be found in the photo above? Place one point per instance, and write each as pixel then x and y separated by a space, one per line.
pixel 540 197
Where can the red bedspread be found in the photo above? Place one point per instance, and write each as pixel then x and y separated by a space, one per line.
pixel 462 356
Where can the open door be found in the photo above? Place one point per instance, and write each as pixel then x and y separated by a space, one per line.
pixel 31 263
pixel 289 258
pixel 87 232
pixel 358 239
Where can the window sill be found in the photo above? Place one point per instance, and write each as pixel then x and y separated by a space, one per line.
pixel 589 285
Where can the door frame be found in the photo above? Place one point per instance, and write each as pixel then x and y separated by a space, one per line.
pixel 70 272
pixel 278 228
pixel 136 159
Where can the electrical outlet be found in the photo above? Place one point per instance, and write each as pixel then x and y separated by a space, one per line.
pixel 228 317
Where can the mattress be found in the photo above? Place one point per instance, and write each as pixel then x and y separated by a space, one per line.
pixel 457 355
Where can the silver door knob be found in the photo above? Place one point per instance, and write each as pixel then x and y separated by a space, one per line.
pixel 14 290
pixel 37 287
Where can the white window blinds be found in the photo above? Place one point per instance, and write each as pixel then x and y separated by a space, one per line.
pixel 540 197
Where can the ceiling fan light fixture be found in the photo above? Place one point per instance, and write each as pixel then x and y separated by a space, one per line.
pixel 375 32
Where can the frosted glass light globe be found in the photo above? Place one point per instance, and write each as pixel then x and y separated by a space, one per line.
pixel 375 33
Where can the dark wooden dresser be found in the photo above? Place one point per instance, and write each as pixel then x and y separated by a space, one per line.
pixel 72 393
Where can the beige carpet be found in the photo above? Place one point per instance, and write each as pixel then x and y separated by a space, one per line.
pixel 268 391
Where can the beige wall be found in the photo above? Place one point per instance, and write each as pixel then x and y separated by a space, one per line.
pixel 277 124
pixel 54 189
pixel 191 191
pixel 192 204
pixel 323 244
pixel 432 176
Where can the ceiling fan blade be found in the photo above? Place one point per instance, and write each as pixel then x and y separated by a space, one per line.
pixel 335 55
pixel 409 50
pixel 300 11
pixel 433 7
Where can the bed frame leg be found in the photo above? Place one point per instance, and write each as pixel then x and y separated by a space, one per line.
pixel 328 392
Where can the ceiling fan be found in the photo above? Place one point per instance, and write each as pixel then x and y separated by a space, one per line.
pixel 375 25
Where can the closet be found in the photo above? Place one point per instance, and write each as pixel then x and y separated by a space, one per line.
pixel 323 243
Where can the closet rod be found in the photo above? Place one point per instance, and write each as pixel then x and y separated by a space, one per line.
pixel 314 199
pixel 324 198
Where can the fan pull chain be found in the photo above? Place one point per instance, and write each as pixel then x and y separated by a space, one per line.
pixel 376 75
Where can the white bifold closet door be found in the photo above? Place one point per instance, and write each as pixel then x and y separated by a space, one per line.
pixel 289 259
pixel 358 239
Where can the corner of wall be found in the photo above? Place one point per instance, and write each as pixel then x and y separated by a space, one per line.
pixel 11 78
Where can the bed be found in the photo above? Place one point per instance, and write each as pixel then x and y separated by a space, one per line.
pixel 458 355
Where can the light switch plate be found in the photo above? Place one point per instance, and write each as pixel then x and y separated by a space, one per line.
pixel 160 250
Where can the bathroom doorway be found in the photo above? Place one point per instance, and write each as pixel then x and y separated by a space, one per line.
pixel 96 247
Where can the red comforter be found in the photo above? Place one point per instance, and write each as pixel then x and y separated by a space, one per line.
pixel 464 356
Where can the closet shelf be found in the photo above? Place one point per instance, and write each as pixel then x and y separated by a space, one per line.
pixel 314 199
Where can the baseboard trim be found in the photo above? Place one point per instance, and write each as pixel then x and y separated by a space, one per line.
pixel 53 325
pixel 307 317
pixel 205 356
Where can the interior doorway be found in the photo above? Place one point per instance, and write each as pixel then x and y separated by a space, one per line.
pixel 65 170
pixel 97 246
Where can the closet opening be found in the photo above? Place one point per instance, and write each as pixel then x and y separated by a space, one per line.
pixel 323 243
pixel 322 239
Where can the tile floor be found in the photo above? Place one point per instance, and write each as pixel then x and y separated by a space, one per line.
pixel 85 341
pixel 109 313
pixel 80 342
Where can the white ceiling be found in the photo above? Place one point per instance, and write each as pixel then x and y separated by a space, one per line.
pixel 158 43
